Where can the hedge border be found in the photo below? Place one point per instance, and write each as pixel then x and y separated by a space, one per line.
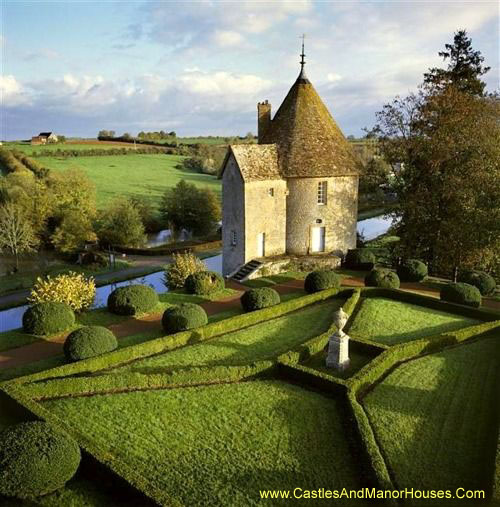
pixel 191 246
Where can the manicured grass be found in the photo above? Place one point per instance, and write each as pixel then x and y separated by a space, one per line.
pixel 435 418
pixel 269 281
pixel 220 445
pixel 254 343
pixel 390 322
pixel 142 176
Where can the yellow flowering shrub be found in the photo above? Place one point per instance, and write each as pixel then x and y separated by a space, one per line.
pixel 72 288
pixel 182 266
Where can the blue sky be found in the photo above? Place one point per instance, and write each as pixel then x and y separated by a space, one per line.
pixel 201 67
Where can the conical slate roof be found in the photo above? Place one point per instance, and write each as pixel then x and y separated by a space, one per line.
pixel 310 144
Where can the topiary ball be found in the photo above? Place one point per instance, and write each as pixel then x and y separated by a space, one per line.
pixel 412 270
pixel 35 460
pixel 183 317
pixel 484 282
pixel 48 318
pixel 321 280
pixel 132 299
pixel 89 341
pixel 256 299
pixel 204 283
pixel 380 277
pixel 461 293
pixel 360 258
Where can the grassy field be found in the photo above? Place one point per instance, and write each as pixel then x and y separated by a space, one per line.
pixel 435 418
pixel 142 176
pixel 221 442
pixel 255 343
pixel 28 148
pixel 390 322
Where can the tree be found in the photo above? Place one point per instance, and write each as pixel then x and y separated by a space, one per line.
pixel 121 224
pixel 187 207
pixel 375 173
pixel 73 232
pixel 464 68
pixel 16 232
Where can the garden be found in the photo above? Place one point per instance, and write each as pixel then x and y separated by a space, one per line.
pixel 218 395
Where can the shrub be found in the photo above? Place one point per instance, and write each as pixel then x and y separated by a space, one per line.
pixel 461 293
pixel 360 258
pixel 321 280
pixel 89 341
pixel 132 299
pixel 48 318
pixel 35 460
pixel 204 282
pixel 181 267
pixel 380 277
pixel 484 282
pixel 73 289
pixel 183 317
pixel 256 299
pixel 412 270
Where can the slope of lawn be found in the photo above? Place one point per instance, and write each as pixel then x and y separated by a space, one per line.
pixel 435 420
pixel 254 343
pixel 390 322
pixel 142 176
pixel 220 445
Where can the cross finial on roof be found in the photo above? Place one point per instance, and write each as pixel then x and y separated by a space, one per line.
pixel 302 55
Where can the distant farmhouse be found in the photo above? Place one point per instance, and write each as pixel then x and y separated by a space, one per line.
pixel 293 194
pixel 44 138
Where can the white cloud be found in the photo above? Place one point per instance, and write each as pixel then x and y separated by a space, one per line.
pixel 12 92
pixel 227 38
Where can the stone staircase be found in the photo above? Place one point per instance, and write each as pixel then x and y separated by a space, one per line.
pixel 246 270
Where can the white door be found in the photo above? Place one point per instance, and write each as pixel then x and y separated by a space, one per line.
pixel 318 239
pixel 261 244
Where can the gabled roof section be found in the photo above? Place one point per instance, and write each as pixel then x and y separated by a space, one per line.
pixel 310 144
pixel 257 162
pixel 45 134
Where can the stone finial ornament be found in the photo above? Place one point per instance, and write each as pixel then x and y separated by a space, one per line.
pixel 338 345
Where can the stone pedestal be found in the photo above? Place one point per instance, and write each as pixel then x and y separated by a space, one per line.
pixel 338 352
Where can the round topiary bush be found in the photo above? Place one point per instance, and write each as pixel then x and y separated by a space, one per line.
pixel 48 318
pixel 412 270
pixel 380 277
pixel 89 341
pixel 256 299
pixel 132 299
pixel 204 283
pixel 360 258
pixel 35 460
pixel 321 280
pixel 461 293
pixel 484 282
pixel 183 317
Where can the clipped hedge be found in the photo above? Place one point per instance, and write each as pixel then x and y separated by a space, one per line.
pixel 204 283
pixel 89 341
pixel 259 298
pixel 35 460
pixel 461 293
pixel 132 299
pixel 321 280
pixel 183 317
pixel 380 277
pixel 412 270
pixel 48 318
pixel 484 282
pixel 360 258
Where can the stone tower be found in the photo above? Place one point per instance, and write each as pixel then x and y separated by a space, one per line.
pixel 314 211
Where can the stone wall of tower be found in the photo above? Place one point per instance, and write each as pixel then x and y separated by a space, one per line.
pixel 233 218
pixel 265 212
pixel 338 215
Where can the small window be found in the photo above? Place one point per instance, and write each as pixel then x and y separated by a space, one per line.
pixel 270 192
pixel 322 186
pixel 233 238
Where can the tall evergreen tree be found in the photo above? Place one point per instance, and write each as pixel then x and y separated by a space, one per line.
pixel 465 67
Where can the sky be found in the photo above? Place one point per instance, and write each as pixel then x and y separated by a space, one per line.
pixel 200 67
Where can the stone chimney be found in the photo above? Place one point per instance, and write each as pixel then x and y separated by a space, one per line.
pixel 263 118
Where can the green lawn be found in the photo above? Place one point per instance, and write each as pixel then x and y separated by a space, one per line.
pixel 254 343
pixel 28 148
pixel 220 445
pixel 390 322
pixel 435 418
pixel 142 176
pixel 269 281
